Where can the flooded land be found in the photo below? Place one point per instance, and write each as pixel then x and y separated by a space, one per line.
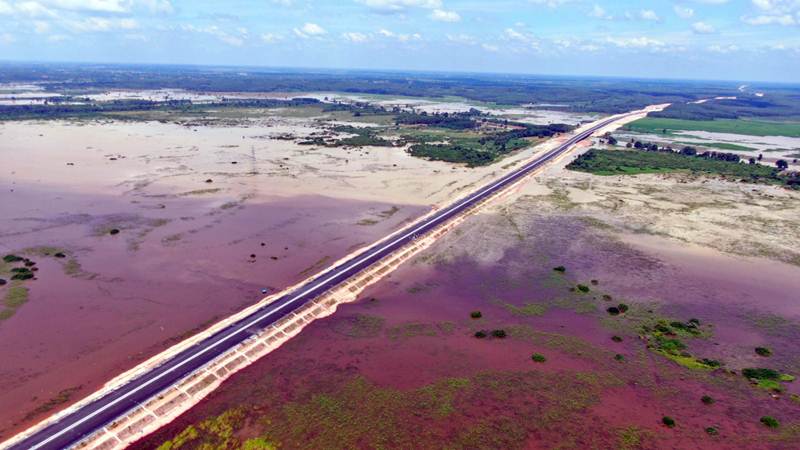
pixel 633 308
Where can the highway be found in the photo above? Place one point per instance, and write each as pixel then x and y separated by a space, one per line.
pixel 73 427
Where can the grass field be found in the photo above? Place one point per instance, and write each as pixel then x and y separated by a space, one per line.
pixel 746 127
pixel 720 145
pixel 631 162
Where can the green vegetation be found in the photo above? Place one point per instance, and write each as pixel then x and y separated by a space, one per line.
pixel 476 314
pixel 526 310
pixel 363 136
pixel 719 145
pixel 770 422
pixel 473 148
pixel 712 431
pixel 22 273
pixel 15 297
pixel 627 162
pixel 763 351
pixel 538 357
pixel 359 326
pixel 668 421
pixel 769 379
pixel 561 269
pixel 707 400
pixel 619 357
pixel 500 334
pixel 616 338
pixel 12 258
pixel 417 329
pixel 665 338
pixel 480 334
pixel 582 288
pixel 658 125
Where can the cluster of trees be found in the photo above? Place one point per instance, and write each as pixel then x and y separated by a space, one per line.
pixel 453 121
pixel 501 140
pixel 60 109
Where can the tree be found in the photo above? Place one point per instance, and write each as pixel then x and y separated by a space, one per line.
pixel 752 160
pixel 782 164
pixel 760 156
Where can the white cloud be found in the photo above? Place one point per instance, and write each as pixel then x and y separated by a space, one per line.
pixel 774 12
pixel 41 27
pixel 782 19
pixel 600 13
pixel 461 38
pixel 703 28
pixel 684 12
pixel 723 48
pixel 355 37
pixel 33 9
pixel 635 42
pixel 490 48
pixel 100 24
pixel 551 3
pixel 109 6
pixel 6 38
pixel 396 6
pixel 5 8
pixel 215 31
pixel 271 38
pixel 400 36
pixel 310 30
pixel 649 14
pixel 445 16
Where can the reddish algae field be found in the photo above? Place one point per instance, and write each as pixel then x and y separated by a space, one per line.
pixel 452 351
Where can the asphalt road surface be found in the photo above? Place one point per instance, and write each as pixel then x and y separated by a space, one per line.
pixel 93 416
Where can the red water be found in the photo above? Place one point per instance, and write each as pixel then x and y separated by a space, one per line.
pixel 147 289
pixel 649 386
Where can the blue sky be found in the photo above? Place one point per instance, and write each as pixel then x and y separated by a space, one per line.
pixel 716 39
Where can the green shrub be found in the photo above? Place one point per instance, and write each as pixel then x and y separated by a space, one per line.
pixel 476 314
pixel 561 269
pixel 761 373
pixel 616 338
pixel 619 357
pixel 480 334
pixel 668 421
pixel 763 351
pixel 500 334
pixel 712 431
pixel 770 422
pixel 706 399
pixel 582 288
pixel 623 308
pixel 538 357
pixel 613 310
pixel 12 258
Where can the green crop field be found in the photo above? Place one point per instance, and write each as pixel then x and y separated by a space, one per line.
pixel 746 127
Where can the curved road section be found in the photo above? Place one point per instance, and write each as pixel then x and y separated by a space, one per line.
pixel 74 427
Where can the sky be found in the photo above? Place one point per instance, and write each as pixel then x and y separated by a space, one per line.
pixel 756 40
